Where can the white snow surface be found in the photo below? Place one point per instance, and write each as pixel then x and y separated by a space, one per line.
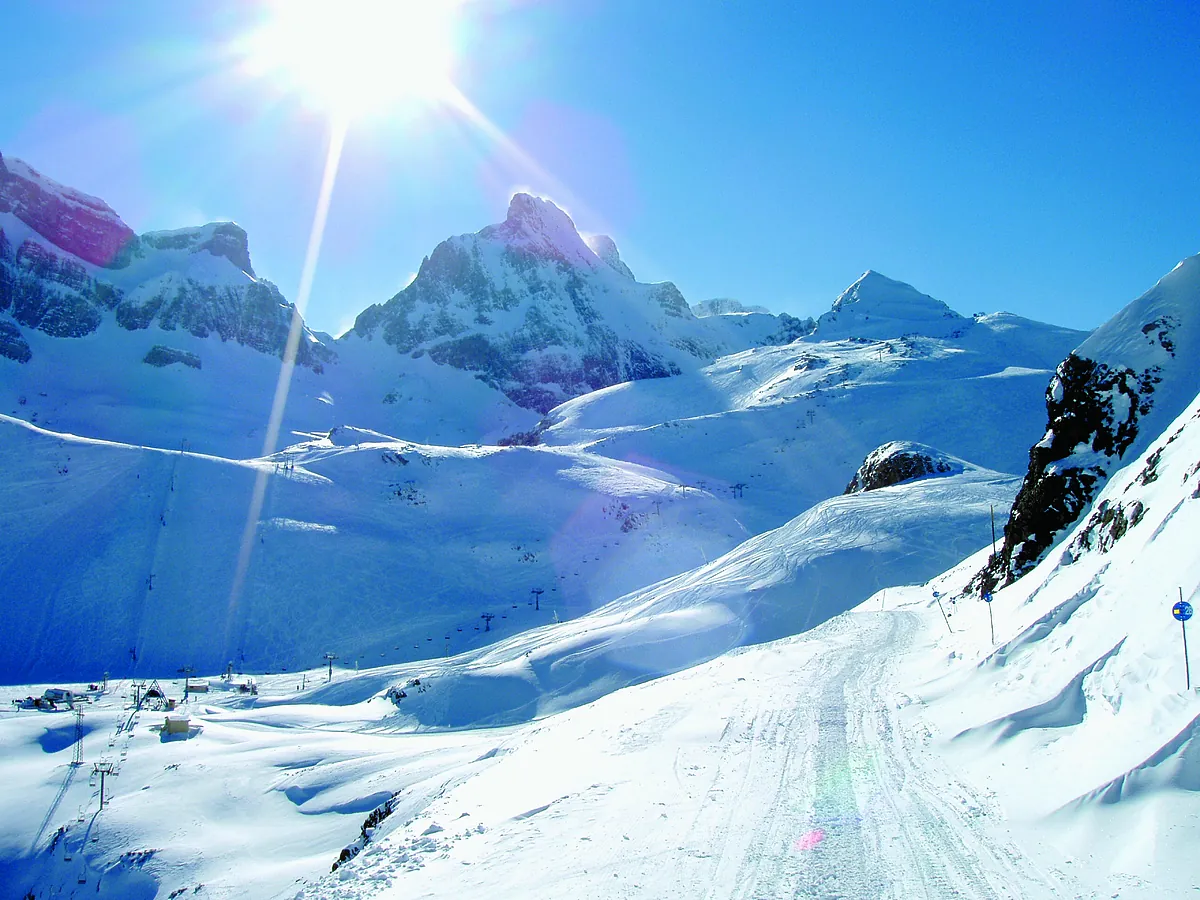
pixel 881 754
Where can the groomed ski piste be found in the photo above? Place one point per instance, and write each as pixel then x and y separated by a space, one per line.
pixel 893 751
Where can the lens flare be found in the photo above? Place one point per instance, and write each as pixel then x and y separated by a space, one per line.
pixel 356 57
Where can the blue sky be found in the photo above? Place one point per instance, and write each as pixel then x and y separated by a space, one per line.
pixel 1039 158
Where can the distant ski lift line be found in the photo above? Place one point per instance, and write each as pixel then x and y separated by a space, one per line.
pixel 337 141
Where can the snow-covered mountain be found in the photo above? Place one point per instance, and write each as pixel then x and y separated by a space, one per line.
pixel 785 427
pixel 683 639
pixel 68 263
pixel 1109 398
pixel 533 310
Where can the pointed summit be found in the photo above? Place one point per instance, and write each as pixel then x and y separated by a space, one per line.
pixel 542 229
pixel 878 307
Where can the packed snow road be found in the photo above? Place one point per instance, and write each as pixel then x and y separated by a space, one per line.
pixel 794 769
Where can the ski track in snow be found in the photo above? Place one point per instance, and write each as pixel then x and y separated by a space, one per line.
pixel 820 784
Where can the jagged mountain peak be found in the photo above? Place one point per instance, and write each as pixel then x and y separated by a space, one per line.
pixel 875 292
pixel 538 226
pixel 18 168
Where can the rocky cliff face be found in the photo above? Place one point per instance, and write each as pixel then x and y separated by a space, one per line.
pixel 72 264
pixel 1105 402
pixel 900 461
pixel 533 310
pixel 71 220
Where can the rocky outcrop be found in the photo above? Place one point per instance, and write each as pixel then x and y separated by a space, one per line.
pixel 723 306
pixel 254 314
pixel 13 344
pixel 223 239
pixel 52 294
pixel 900 461
pixel 1093 412
pixel 1106 402
pixel 158 282
pixel 161 356
pixel 790 329
pixel 82 225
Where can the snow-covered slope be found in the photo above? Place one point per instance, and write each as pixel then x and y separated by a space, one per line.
pixel 781 428
pixel 1107 401
pixel 1078 720
pixel 779 583
pixel 377 549
pixel 876 307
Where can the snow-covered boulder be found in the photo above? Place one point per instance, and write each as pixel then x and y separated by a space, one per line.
pixel 900 461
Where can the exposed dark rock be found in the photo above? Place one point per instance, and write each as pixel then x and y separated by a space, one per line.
pixel 224 239
pixel 13 344
pixel 1160 331
pixel 1105 526
pixel 1093 413
pixel 720 306
pixel 164 356
pixel 534 312
pixel 790 329
pixel 897 462
pixel 69 219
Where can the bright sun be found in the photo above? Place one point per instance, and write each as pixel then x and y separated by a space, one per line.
pixel 356 57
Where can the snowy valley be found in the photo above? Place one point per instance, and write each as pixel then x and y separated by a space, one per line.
pixel 552 585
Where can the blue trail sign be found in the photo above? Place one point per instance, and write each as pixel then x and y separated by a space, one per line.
pixel 1183 611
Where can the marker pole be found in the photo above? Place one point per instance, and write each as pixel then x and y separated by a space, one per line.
pixel 1186 665
pixel 938 597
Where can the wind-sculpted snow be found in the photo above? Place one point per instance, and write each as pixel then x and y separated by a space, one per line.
pixel 776 584
pixel 1079 717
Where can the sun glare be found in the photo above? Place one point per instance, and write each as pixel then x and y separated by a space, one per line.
pixel 355 57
